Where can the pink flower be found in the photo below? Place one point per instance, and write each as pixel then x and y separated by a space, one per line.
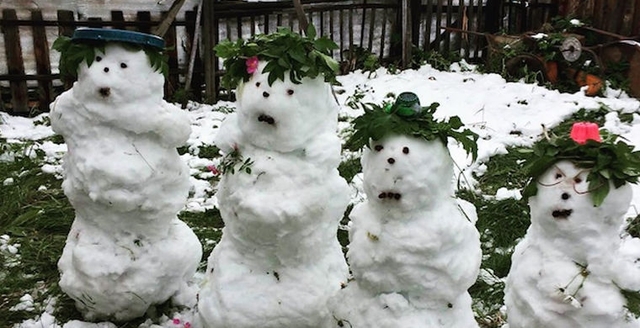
pixel 252 64
pixel 213 169
pixel 176 321
pixel 187 325
pixel 583 131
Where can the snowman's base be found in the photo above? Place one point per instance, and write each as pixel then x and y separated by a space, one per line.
pixel 241 294
pixel 355 307
pixel 120 278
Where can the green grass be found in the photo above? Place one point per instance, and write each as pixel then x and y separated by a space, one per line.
pixel 38 220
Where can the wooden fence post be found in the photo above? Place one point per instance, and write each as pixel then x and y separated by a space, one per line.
pixel 43 63
pixel 15 65
pixel 406 33
pixel 209 33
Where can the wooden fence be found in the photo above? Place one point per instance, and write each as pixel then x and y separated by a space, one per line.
pixel 617 16
pixel 383 27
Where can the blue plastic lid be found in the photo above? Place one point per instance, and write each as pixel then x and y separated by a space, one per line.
pixel 105 34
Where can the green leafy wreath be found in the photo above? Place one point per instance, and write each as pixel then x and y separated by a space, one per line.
pixel 377 123
pixel 608 161
pixel 284 50
pixel 72 54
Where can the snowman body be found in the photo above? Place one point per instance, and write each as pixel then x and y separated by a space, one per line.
pixel 278 261
pixel 126 249
pixel 571 264
pixel 413 251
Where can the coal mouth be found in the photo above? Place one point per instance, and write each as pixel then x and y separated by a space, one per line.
pixel 266 119
pixel 390 195
pixel 561 214
pixel 104 92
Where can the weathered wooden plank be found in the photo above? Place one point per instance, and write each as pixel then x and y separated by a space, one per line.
pixel 406 33
pixel 117 16
pixel 43 63
pixel 372 22
pixel 172 82
pixel 66 20
pixel 636 19
pixel 15 65
pixel 208 42
pixel 383 33
pixel 427 22
pixel 341 13
pixel 144 17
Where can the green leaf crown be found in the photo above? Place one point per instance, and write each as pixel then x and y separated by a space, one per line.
pixel 284 50
pixel 611 160
pixel 378 122
pixel 73 53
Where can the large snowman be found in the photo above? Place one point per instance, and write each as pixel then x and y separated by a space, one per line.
pixel 279 260
pixel 569 269
pixel 413 250
pixel 126 249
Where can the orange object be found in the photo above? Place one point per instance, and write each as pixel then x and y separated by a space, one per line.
pixel 594 84
pixel 552 71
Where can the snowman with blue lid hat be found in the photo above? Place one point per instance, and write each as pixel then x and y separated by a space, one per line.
pixel 126 250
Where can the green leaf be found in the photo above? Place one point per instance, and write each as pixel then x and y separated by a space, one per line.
pixel 311 31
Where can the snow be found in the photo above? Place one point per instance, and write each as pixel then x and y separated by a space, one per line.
pixel 504 114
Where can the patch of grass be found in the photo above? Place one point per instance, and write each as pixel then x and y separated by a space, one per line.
pixel 349 168
pixel 207 226
pixel 503 170
pixel 37 219
pixel 208 151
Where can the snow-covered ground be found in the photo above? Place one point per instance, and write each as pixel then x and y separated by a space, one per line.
pixel 503 114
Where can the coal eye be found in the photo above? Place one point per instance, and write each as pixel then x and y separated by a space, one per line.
pixel 577 180
pixel 98 58
pixel 123 65
pixel 558 176
pixel 405 150
pixel 378 147
pixel 257 84
pixel 289 92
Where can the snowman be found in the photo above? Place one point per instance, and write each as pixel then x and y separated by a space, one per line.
pixel 413 251
pixel 569 269
pixel 279 260
pixel 126 250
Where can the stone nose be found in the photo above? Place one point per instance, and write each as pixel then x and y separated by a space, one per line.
pixel 265 94
pixel 391 160
pixel 106 69
pixel 565 196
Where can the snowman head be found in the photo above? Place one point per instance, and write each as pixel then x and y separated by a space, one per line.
pixel 563 206
pixel 117 77
pixel 285 115
pixel 407 173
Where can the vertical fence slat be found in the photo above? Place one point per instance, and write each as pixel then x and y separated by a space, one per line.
pixel 43 63
pixel 447 40
pixel 208 42
pixel 117 16
pixel 372 21
pixel 145 17
pixel 65 22
pixel 350 28
pixel 173 81
pixel 197 78
pixel 458 41
pixel 636 19
pixel 341 12
pixel 436 41
pixel 266 23
pixel 383 32
pixel 427 22
pixel 15 65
